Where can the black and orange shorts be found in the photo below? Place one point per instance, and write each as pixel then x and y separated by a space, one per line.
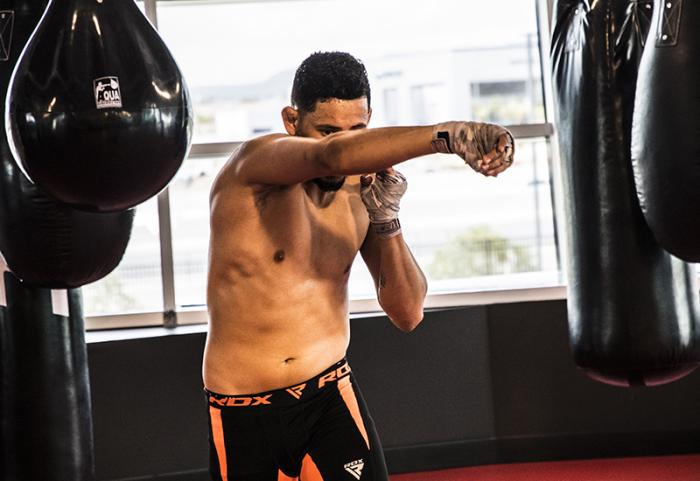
pixel 319 430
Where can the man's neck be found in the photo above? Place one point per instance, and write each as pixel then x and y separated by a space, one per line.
pixel 319 197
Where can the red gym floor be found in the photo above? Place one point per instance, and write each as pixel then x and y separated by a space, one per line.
pixel 665 468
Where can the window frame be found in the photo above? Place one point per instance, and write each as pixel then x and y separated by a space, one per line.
pixel 173 316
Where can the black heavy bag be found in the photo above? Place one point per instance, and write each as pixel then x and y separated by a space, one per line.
pixel 44 242
pixel 665 146
pixel 98 112
pixel 6 383
pixel 46 415
pixel 633 308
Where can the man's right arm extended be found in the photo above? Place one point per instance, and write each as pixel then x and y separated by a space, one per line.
pixel 285 160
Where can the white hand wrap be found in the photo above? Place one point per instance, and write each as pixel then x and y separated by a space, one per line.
pixel 381 198
pixel 471 141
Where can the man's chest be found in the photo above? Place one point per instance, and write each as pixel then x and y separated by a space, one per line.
pixel 325 237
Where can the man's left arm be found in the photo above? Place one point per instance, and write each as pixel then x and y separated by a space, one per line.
pixel 399 281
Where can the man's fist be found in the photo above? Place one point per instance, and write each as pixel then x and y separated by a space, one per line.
pixel 381 197
pixel 486 148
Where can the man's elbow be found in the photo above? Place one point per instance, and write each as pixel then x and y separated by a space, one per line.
pixel 407 321
pixel 330 156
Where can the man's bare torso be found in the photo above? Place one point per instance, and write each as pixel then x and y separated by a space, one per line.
pixel 279 264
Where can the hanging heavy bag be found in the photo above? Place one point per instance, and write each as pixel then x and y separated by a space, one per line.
pixel 98 113
pixel 665 148
pixel 7 375
pixel 46 416
pixel 44 242
pixel 633 308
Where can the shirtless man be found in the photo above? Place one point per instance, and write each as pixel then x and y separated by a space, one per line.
pixel 288 215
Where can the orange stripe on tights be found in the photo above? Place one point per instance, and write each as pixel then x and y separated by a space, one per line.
pixel 348 393
pixel 217 431
pixel 309 470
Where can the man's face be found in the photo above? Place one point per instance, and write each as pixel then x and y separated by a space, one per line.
pixel 331 116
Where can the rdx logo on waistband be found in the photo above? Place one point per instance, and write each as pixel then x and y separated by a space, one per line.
pixel 334 375
pixel 241 401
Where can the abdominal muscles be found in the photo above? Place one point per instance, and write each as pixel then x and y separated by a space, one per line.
pixel 265 339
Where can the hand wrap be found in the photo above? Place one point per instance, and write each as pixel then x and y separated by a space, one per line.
pixel 471 141
pixel 381 198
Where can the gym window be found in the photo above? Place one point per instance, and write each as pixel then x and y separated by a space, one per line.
pixel 427 62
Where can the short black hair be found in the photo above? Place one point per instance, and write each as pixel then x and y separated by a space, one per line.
pixel 329 75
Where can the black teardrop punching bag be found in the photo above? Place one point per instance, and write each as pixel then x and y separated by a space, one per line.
pixel 665 145
pixel 44 242
pixel 46 410
pixel 98 111
pixel 633 309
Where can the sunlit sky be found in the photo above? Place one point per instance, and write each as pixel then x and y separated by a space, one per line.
pixel 242 43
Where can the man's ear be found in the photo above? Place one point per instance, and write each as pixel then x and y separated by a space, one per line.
pixel 369 116
pixel 290 117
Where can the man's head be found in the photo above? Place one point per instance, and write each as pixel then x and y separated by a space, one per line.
pixel 330 94
pixel 329 75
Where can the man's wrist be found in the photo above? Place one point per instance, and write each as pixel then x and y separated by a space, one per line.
pixel 441 139
pixel 387 229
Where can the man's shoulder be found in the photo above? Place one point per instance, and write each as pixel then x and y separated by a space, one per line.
pixel 246 152
pixel 251 145
pixel 231 169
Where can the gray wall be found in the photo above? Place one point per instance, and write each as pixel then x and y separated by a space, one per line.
pixel 469 386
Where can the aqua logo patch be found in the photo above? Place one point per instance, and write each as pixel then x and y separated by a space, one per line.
pixel 107 93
